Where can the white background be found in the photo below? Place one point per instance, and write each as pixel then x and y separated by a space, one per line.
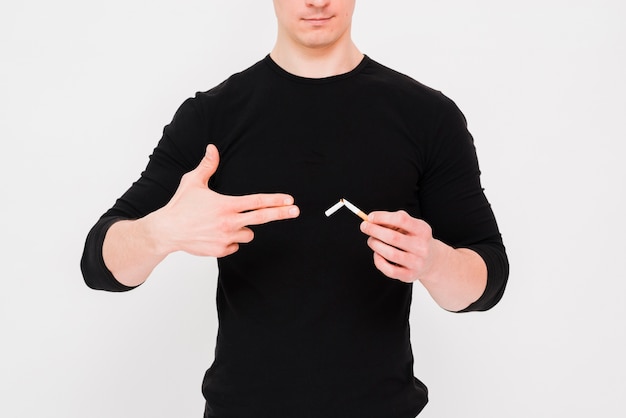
pixel 86 88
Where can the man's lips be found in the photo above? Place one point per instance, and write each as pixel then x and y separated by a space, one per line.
pixel 321 19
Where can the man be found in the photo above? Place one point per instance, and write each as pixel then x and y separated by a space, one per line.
pixel 313 310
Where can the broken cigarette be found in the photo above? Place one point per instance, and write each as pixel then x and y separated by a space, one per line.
pixel 358 212
pixel 334 208
pixel 344 202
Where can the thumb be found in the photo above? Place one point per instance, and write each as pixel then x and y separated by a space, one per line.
pixel 208 165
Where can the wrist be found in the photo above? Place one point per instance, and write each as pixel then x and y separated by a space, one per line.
pixel 152 229
pixel 457 279
pixel 441 256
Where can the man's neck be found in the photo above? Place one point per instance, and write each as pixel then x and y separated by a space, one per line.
pixel 317 62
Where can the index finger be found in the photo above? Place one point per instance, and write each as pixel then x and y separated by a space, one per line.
pixel 257 201
pixel 265 215
pixel 399 221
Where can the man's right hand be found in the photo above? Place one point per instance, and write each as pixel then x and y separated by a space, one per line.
pixel 199 221
pixel 196 220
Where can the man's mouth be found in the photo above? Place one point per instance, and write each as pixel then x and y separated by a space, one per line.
pixel 316 19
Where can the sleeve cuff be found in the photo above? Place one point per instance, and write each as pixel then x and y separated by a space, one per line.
pixel 95 272
pixel 497 276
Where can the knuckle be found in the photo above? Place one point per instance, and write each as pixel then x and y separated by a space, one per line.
pixel 258 201
pixel 402 258
pixel 228 250
pixel 423 227
pixel 405 218
pixel 225 224
pixel 379 262
pixel 394 239
pixel 380 246
pixel 185 178
pixel 248 236
pixel 262 216
pixel 415 262
pixel 393 271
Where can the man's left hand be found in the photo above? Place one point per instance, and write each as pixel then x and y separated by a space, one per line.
pixel 404 247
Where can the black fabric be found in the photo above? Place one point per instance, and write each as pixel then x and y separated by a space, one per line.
pixel 94 270
pixel 308 327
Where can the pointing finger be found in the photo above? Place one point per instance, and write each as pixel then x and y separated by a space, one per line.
pixel 260 201
pixel 265 215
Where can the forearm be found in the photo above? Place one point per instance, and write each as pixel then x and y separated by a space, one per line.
pixel 457 277
pixel 131 251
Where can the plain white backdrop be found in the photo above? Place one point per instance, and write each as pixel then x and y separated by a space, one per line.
pixel 86 88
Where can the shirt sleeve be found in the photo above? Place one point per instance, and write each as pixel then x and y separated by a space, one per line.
pixel 95 272
pixel 453 202
pixel 179 151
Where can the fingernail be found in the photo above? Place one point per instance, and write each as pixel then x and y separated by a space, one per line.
pixel 294 211
pixel 288 201
pixel 211 151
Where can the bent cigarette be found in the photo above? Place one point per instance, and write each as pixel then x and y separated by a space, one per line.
pixel 358 212
pixel 334 208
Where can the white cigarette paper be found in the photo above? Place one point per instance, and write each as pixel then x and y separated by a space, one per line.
pixel 358 212
pixel 334 208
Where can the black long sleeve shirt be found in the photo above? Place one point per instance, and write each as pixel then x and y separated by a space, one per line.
pixel 308 327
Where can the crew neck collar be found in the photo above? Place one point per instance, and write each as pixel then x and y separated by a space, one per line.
pixel 284 73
